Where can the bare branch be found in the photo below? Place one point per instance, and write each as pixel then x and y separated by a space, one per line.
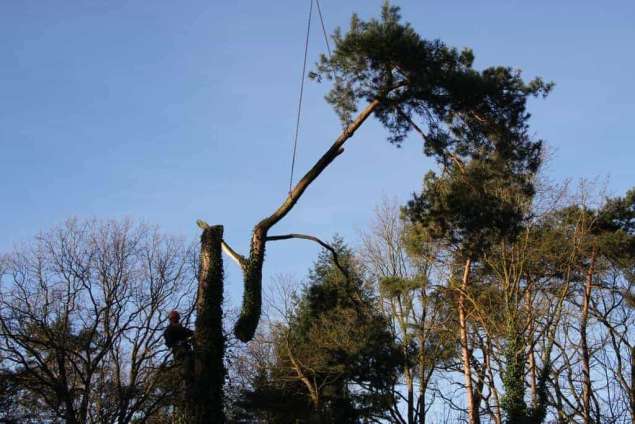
pixel 318 241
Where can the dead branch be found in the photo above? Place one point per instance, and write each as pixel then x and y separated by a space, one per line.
pixel 318 241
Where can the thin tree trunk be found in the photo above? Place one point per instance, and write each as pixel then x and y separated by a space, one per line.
pixel 411 397
pixel 421 404
pixel 532 355
pixel 487 363
pixel 204 403
pixel 586 367
pixel 312 388
pixel 425 369
pixel 472 413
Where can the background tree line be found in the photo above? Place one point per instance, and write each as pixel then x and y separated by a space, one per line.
pixel 546 325
pixel 375 337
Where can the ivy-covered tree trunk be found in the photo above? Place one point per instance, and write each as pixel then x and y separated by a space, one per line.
pixel 513 377
pixel 204 403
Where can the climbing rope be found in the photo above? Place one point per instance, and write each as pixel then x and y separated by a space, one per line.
pixel 306 53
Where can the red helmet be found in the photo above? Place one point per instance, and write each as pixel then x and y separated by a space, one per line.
pixel 174 315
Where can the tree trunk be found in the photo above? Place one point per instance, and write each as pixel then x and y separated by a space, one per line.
pixel 312 388
pixel 410 393
pixel 472 413
pixel 513 377
pixel 424 377
pixel 531 347
pixel 586 367
pixel 204 402
pixel 421 405
pixel 487 363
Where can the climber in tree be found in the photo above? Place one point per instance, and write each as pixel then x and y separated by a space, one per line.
pixel 177 337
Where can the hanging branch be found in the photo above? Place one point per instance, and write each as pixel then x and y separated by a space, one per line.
pixel 245 327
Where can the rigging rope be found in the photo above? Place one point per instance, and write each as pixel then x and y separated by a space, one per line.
pixel 297 121
pixel 326 37
pixel 306 52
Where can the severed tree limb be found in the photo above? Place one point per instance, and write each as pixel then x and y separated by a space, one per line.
pixel 318 241
pixel 245 327
pixel 239 259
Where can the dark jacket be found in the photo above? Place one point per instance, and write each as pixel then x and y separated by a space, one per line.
pixel 176 335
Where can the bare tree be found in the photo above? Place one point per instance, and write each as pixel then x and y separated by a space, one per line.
pixel 82 311
pixel 403 271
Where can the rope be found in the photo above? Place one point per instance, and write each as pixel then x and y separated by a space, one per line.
pixel 297 121
pixel 306 51
pixel 326 37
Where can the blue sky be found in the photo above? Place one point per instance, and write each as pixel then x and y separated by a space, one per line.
pixel 171 111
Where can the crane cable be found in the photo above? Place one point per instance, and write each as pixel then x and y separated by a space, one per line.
pixel 326 37
pixel 306 52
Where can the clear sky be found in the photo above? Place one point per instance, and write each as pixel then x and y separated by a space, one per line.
pixel 171 111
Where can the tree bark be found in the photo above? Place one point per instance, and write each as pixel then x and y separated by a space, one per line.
pixel 498 419
pixel 204 398
pixel 410 395
pixel 584 346
pixel 531 347
pixel 314 391
pixel 424 378
pixel 421 405
pixel 472 413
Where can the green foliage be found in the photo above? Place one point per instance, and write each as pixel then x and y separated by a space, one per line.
pixel 474 123
pixel 609 229
pixel 391 287
pixel 616 226
pixel 513 376
pixel 466 112
pixel 338 316
pixel 470 207
pixel 340 340
pixel 553 257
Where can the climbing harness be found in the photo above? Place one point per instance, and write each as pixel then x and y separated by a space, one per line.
pixel 306 52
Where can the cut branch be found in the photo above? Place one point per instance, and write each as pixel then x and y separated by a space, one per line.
pixel 239 259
